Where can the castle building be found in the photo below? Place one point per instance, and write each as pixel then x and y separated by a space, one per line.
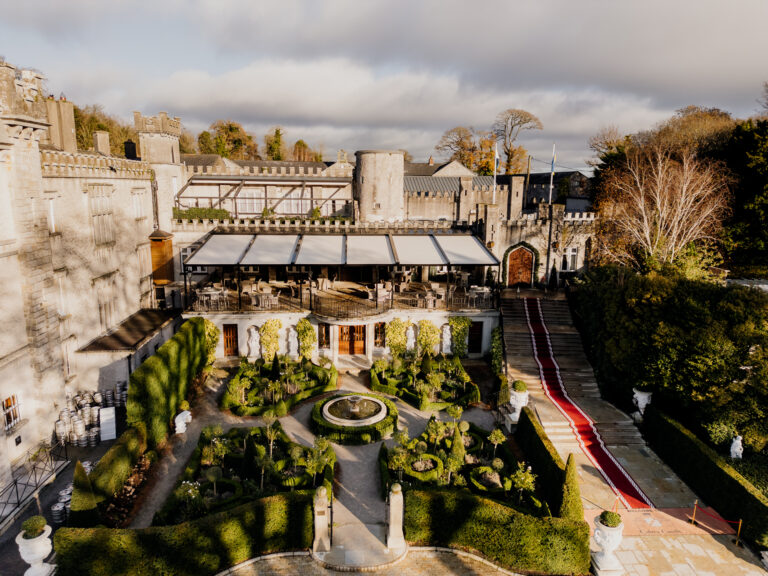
pixel 102 257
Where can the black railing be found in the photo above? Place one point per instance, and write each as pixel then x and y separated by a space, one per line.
pixel 35 470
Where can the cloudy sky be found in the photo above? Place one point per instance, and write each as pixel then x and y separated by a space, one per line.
pixel 359 74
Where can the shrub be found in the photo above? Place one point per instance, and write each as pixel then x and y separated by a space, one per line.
pixel 476 484
pixel 610 519
pixel 708 474
pixel 202 547
pixel 307 338
pixel 426 476
pixel 394 335
pixel 459 333
pixel 428 337
pixel 354 434
pixel 515 541
pixel 519 386
pixel 161 383
pixel 542 456
pixel 571 506
pixel 83 509
pixel 34 525
pixel 269 333
pixel 497 350
pixel 114 468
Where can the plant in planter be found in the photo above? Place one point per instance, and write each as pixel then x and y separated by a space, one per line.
pixel 518 398
pixel 35 545
pixel 641 396
pixel 608 533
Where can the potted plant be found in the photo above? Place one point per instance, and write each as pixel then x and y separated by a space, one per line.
pixel 518 398
pixel 608 532
pixel 641 396
pixel 35 545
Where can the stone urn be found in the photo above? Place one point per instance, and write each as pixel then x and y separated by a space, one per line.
pixel 641 398
pixel 518 400
pixel 34 550
pixel 608 538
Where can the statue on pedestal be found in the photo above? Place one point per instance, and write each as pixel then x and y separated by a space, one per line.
pixel 293 342
pixel 447 343
pixel 737 448
pixel 410 338
pixel 254 342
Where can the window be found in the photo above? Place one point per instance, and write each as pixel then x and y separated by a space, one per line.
pixel 570 260
pixel 60 277
pixel 11 412
pixel 105 295
pixel 324 336
pixel 379 335
pixel 100 203
pixel 139 203
pixel 144 257
pixel 68 348
pixel 52 215
pixel 185 253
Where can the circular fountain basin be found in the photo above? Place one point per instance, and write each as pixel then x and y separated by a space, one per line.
pixel 354 411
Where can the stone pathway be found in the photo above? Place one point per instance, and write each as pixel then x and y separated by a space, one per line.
pixel 657 542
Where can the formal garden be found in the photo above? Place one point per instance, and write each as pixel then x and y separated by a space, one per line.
pixel 245 464
pixel 700 349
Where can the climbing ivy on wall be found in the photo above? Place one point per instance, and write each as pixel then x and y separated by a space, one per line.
pixel 307 338
pixel 270 342
pixel 428 337
pixel 459 333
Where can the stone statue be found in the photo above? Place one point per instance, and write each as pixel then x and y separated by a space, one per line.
pixel 410 338
pixel 737 449
pixel 254 341
pixel 447 344
pixel 293 342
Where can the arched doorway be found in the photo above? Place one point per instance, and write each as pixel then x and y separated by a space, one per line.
pixel 520 267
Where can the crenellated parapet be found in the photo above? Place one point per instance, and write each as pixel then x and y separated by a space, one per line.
pixel 58 164
pixel 308 226
pixel 160 124
pixel 285 171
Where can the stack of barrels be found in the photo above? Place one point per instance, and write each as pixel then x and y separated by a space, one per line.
pixel 78 423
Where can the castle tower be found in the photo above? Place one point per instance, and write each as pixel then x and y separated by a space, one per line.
pixel 158 138
pixel 378 184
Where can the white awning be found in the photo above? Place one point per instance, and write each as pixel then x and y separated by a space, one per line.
pixel 373 250
pixel 221 250
pixel 465 250
pixel 271 249
pixel 325 250
pixel 418 250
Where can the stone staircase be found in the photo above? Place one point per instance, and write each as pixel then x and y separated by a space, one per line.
pixel 620 434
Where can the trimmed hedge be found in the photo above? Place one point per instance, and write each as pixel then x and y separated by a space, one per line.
pixel 709 474
pixel 351 434
pixel 515 541
pixel 474 480
pixel 571 506
pixel 384 475
pixel 83 509
pixel 422 403
pixel 541 454
pixel 200 548
pixel 289 402
pixel 160 384
pixel 427 476
pixel 114 468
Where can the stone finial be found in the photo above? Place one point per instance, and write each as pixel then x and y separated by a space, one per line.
pixel 395 536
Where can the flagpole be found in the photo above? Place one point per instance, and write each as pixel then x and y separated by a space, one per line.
pixel 549 239
pixel 495 163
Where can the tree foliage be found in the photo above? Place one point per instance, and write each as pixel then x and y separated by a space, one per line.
pixel 273 142
pixel 229 140
pixel 91 118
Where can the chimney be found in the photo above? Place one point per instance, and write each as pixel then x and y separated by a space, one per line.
pixel 61 116
pixel 101 142
pixel 129 146
pixel 431 161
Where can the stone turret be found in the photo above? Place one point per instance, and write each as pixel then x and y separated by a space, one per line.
pixel 158 138
pixel 378 182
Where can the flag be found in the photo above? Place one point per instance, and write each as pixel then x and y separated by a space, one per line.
pixel 554 158
pixel 495 158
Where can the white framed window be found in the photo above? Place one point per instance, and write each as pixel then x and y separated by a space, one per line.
pixel 68 347
pixel 100 205
pixel 571 259
pixel 185 253
pixel 11 411
pixel 60 278
pixel 144 257
pixel 105 296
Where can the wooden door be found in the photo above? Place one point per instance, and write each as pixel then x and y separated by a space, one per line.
pixel 345 339
pixel 520 267
pixel 229 333
pixel 475 338
pixel 358 340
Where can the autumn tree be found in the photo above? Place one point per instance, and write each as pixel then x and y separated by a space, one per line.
pixel 507 128
pixel 702 130
pixel 187 144
pixel 472 148
pixel 302 152
pixel 228 139
pixel 91 118
pixel 658 209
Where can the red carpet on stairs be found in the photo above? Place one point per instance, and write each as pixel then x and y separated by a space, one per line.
pixel 618 478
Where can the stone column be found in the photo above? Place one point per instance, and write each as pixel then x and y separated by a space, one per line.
pixel 395 538
pixel 334 343
pixel 322 542
pixel 369 341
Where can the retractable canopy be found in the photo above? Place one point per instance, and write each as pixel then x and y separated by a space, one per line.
pixel 221 250
pixel 271 249
pixel 340 250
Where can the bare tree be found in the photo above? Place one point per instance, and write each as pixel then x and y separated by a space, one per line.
pixel 459 144
pixel 607 139
pixel 655 208
pixel 764 98
pixel 507 127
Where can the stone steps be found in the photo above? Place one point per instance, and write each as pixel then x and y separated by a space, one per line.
pixel 620 434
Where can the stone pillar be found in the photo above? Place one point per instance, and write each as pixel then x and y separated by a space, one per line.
pixel 334 343
pixel 322 542
pixel 101 142
pixel 395 538
pixel 369 341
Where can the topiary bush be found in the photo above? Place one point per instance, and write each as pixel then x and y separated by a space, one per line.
pixel 427 476
pixel 515 541
pixel 394 336
pixel 307 338
pixel 543 457
pixel 33 526
pixel 83 511
pixel 610 519
pixel 270 337
pixel 201 547
pixel 428 337
pixel 114 468
pixel 571 506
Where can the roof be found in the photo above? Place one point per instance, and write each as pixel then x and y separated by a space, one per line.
pixel 422 168
pixel 131 333
pixel 431 184
pixel 200 159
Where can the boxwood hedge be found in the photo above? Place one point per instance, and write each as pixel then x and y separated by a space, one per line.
pixel 161 383
pixel 199 548
pixel 709 474
pixel 352 434
pixel 114 468
pixel 515 541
